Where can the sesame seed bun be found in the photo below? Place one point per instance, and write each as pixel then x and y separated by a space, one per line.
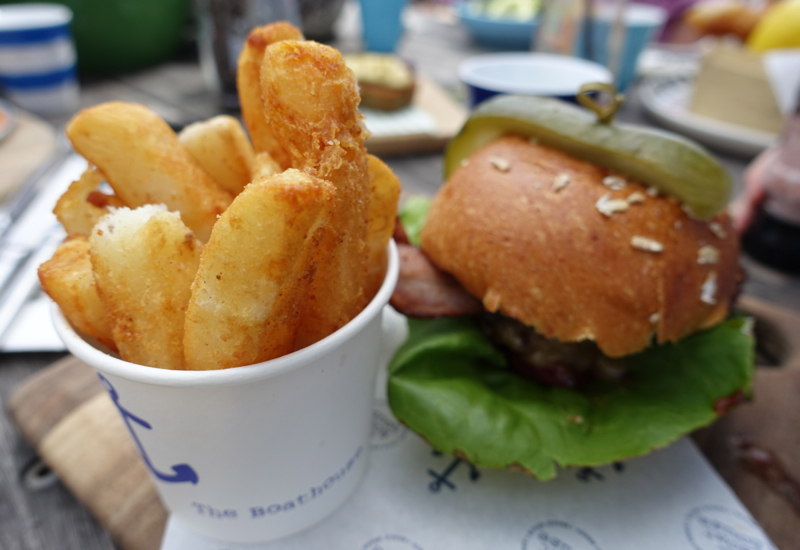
pixel 538 236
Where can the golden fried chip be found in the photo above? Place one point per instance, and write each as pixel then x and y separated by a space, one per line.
pixel 82 205
pixel 68 279
pixel 266 166
pixel 255 273
pixel 325 138
pixel 384 194
pixel 221 147
pixel 248 83
pixel 144 162
pixel 144 262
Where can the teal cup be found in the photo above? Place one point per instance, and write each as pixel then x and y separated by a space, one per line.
pixel 642 23
pixel 382 24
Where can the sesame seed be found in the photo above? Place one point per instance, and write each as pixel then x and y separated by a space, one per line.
pixel 500 163
pixel 637 197
pixel 709 289
pixel 708 255
pixel 464 162
pixel 491 301
pixel 717 229
pixel 652 191
pixel 648 245
pixel 614 182
pixel 677 225
pixel 607 206
pixel 575 419
pixel 560 182
pixel 654 318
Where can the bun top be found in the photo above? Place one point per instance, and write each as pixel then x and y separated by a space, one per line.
pixel 577 252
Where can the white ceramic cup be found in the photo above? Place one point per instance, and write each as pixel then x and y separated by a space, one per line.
pixel 253 453
pixel 37 58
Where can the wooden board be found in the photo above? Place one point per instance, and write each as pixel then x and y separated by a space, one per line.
pixel 448 115
pixel 756 447
pixel 64 413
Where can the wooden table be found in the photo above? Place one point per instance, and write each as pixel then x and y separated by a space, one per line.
pixel 50 518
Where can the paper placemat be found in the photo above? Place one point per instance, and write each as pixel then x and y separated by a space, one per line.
pixel 413 498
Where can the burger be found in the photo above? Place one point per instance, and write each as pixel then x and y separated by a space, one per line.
pixel 570 300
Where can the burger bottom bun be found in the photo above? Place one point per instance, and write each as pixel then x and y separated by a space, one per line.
pixel 549 258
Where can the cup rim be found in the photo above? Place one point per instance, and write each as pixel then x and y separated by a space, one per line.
pixel 48 16
pixel 108 364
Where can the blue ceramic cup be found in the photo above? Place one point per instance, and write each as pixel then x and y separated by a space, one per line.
pixel 37 58
pixel 382 24
pixel 642 22
pixel 523 73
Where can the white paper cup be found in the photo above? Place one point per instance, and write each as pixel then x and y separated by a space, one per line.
pixel 253 453
pixel 37 58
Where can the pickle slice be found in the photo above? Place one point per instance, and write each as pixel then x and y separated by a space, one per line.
pixel 674 165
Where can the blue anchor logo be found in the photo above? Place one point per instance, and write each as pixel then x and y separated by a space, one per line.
pixel 182 472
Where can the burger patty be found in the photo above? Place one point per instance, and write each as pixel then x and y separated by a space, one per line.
pixel 546 360
pixel 425 291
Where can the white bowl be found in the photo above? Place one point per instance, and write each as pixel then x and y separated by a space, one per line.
pixel 525 73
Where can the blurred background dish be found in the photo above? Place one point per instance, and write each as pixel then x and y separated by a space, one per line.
pixel 37 58
pixel 525 73
pixel 496 32
pixel 668 101
pixel 506 30
pixel 385 81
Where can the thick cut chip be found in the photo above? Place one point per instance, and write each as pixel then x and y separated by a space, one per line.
pixel 324 137
pixel 248 82
pixel 145 163
pixel 144 263
pixel 384 193
pixel 255 274
pixel 68 279
pixel 265 166
pixel 82 205
pixel 221 147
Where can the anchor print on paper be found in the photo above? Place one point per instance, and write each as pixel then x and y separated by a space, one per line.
pixel 182 473
pixel 587 473
pixel 442 479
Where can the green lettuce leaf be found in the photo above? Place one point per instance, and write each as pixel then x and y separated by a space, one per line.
pixel 449 384
pixel 412 215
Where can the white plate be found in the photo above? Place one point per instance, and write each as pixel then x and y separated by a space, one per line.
pixel 667 100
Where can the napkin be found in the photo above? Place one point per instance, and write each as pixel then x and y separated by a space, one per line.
pixel 31 329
